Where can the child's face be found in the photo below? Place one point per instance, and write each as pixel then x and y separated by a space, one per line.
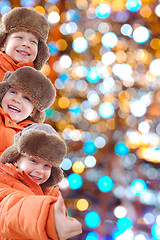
pixel 17 105
pixel 21 46
pixel 38 169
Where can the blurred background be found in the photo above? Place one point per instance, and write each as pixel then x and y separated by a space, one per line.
pixel 105 65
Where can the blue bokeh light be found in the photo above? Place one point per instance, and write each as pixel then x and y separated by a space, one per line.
pixel 105 184
pixel 106 110
pixel 138 186
pixel 103 10
pixel 80 45
pixel 27 3
pixel 93 75
pixel 75 181
pixel 92 219
pixel 89 147
pixel 133 5
pixel 121 149
pixel 155 231
pixel 92 235
pixel 124 224
pixel 52 48
pixel 75 110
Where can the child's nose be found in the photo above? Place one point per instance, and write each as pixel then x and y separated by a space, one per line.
pixel 26 43
pixel 16 99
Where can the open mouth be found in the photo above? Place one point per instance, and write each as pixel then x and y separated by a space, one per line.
pixel 13 108
pixel 35 178
pixel 24 53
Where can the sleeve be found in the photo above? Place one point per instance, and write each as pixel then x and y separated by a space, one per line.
pixel 24 216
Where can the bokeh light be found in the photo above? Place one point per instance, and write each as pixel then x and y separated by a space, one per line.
pixel 105 184
pixel 92 219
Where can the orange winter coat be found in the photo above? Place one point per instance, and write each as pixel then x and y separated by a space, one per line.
pixel 7 64
pixel 26 212
pixel 8 128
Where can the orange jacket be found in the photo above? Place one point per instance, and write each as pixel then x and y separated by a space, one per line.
pixel 7 64
pixel 8 128
pixel 26 212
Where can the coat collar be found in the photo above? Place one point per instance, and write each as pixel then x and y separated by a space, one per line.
pixel 7 63
pixel 8 122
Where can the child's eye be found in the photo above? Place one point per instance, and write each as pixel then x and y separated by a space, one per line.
pixel 35 42
pixel 12 91
pixel 18 37
pixel 27 98
pixel 47 166
pixel 33 160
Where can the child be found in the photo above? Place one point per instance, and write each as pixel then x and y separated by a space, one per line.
pixel 24 96
pixel 23 36
pixel 29 171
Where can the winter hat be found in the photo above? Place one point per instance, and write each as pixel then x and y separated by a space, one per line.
pixel 35 85
pixel 29 20
pixel 38 141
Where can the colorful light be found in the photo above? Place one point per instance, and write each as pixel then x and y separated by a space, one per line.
pixel 66 164
pixel 141 34
pixel 124 224
pixel 82 204
pixel 121 149
pixel 154 67
pixel 105 184
pixel 138 108
pixel 138 186
pixel 80 45
pixel 109 40
pixel 106 110
pixel 133 5
pixel 92 236
pixel 89 147
pixel 103 10
pixel 92 219
pixel 93 75
pixel 75 181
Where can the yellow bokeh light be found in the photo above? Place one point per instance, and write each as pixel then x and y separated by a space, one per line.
pixel 82 204
pixel 40 9
pixel 155 43
pixel 78 167
pixel 145 11
pixel 63 102
pixel 110 123
pixel 46 69
pixel 61 44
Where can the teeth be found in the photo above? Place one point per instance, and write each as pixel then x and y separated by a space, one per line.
pixel 14 108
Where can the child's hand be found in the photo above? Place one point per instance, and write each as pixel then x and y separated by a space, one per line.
pixel 66 227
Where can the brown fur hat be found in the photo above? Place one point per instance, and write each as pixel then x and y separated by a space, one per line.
pixel 38 141
pixel 29 20
pixel 35 85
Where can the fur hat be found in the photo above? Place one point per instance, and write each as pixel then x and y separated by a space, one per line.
pixel 29 20
pixel 38 141
pixel 35 85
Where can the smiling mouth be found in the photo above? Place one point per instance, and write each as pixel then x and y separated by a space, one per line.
pixel 35 178
pixel 24 53
pixel 13 108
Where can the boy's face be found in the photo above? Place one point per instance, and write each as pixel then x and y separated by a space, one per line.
pixel 38 169
pixel 17 105
pixel 21 46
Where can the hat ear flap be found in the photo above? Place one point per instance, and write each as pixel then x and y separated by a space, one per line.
pixel 10 155
pixel 55 178
pixel 42 55
pixel 3 35
pixel 7 75
pixel 39 117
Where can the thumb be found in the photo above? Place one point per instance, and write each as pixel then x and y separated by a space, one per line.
pixel 60 204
